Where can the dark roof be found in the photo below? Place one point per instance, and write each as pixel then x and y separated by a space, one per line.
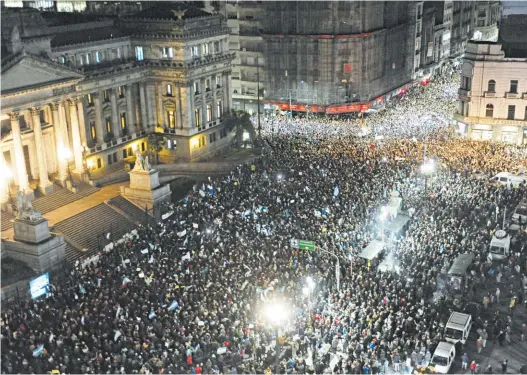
pixel 66 18
pixel 165 10
pixel 85 36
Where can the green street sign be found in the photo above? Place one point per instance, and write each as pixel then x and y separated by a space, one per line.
pixel 303 245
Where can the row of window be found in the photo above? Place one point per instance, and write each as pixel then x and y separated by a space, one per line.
pixel 513 86
pixel 96 57
pixel 203 49
pixel 212 138
pixel 511 110
pixel 108 122
pixel 106 95
pixel 219 113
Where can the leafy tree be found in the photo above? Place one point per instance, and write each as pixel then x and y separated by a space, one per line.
pixel 156 142
pixel 240 122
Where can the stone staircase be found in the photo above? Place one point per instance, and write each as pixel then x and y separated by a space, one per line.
pixel 84 230
pixel 6 220
pixel 61 197
pixel 130 210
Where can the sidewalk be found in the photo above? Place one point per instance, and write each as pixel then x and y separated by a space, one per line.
pixel 72 209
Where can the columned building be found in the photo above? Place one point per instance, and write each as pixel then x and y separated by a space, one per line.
pixel 493 95
pixel 87 95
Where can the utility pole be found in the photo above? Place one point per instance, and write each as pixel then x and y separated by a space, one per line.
pixel 258 94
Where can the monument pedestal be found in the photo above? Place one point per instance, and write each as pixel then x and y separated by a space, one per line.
pixel 34 245
pixel 145 189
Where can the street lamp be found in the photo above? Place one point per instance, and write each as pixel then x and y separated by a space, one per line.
pixel 87 164
pixel 277 314
pixel 382 217
pixel 427 168
pixel 7 174
pixel 308 290
pixel 65 153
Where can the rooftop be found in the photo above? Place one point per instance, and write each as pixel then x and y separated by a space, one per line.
pixel 170 11
pixel 90 35
pixel 66 18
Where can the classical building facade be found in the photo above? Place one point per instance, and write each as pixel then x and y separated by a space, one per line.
pixel 97 90
pixel 493 95
pixel 487 15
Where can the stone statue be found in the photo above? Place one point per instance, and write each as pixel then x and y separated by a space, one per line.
pixel 25 209
pixel 139 162
pixel 146 164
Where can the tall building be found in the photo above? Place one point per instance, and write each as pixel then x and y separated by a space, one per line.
pixel 99 88
pixel 462 26
pixel 486 18
pixel 493 93
pixel 332 53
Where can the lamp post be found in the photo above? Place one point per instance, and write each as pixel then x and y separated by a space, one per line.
pixel 382 217
pixel 337 267
pixel 66 154
pixel 307 290
pixel 277 314
pixel 87 164
pixel 7 174
pixel 427 168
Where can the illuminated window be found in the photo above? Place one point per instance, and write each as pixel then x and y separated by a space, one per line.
pixel 209 112
pixel 171 119
pixel 169 89
pixel 139 53
pixel 195 51
pixel 197 117
pixel 92 130
pixel 205 49
pixel 218 80
pixel 98 57
pixel 123 120
pixel 108 124
pixel 88 59
pixel 120 91
pixel 219 108
pixel 168 52
pixel 90 99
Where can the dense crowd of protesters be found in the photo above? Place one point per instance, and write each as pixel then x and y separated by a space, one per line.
pixel 188 295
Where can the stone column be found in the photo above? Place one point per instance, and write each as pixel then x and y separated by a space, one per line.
pixel 214 99
pixel 82 123
pixel 129 109
pixel 225 93
pixel 19 164
pixel 204 103
pixel 150 100
pixel 143 109
pixel 76 137
pixel 58 129
pixel 116 126
pixel 189 105
pixel 98 118
pixel 161 113
pixel 44 185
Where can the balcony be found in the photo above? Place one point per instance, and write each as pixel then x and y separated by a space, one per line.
pixel 464 93
pixel 511 95
pixel 489 94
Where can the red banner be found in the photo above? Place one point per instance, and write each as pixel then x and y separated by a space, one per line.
pixel 347 68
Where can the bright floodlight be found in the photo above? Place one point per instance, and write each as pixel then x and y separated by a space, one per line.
pixel 428 167
pixel 383 214
pixel 305 290
pixel 279 177
pixel 65 153
pixel 209 230
pixel 276 313
pixel 6 171
pixel 310 283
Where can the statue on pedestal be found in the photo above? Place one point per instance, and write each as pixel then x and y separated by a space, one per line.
pixel 25 209
pixel 142 164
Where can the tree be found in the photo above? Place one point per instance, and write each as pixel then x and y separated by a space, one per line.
pixel 156 142
pixel 240 122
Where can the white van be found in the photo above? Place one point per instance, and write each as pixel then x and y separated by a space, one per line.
pixel 458 327
pixel 509 179
pixel 443 358
pixel 499 246
pixel 520 212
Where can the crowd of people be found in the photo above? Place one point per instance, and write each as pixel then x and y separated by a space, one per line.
pixel 188 294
